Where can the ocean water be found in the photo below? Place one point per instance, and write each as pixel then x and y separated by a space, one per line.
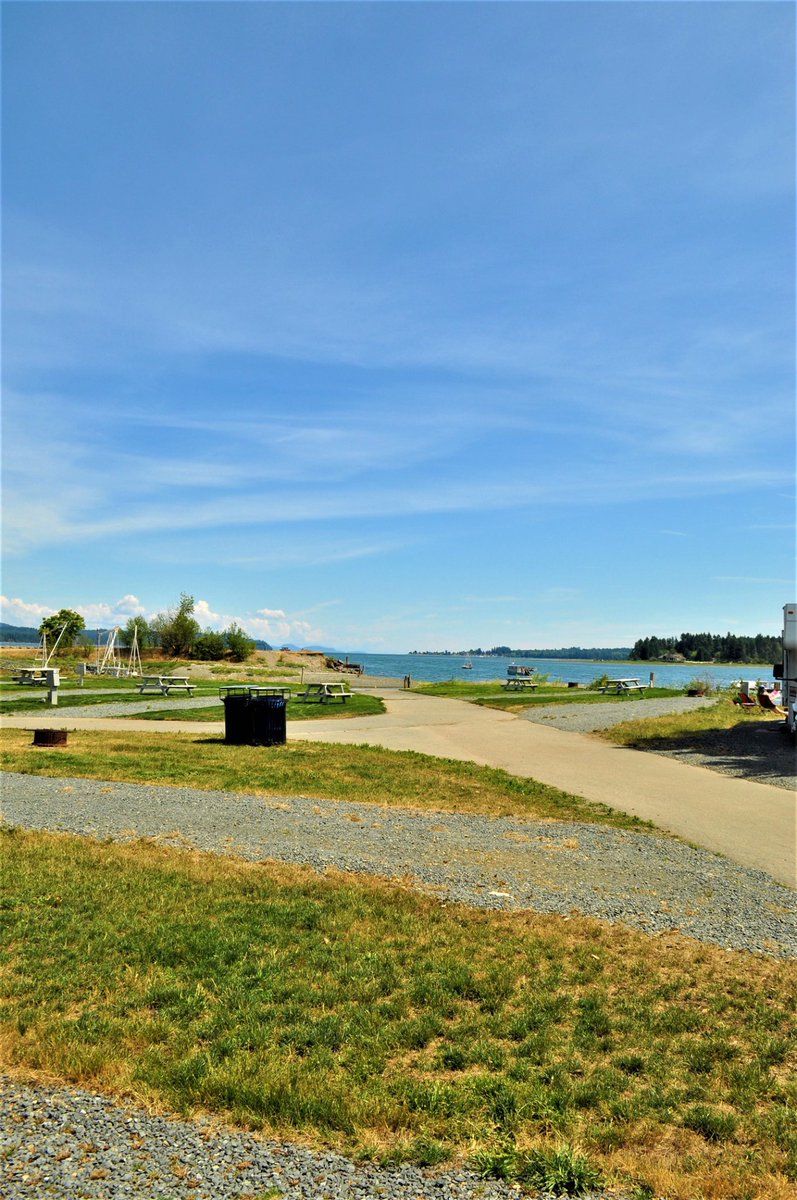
pixel 436 668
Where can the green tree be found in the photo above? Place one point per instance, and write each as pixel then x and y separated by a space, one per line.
pixel 210 646
pixel 239 644
pixel 71 622
pixel 176 630
pixel 141 626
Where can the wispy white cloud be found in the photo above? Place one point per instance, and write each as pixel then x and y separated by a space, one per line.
pixel 16 611
pixel 270 624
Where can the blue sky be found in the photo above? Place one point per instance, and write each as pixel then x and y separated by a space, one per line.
pixel 397 326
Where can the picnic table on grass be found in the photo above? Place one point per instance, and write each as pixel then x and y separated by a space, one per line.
pixel 33 676
pixel 622 687
pixel 519 683
pixel 165 684
pixel 324 692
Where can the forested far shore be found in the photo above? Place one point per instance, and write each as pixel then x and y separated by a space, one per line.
pixel 688 647
pixel 599 653
pixel 709 647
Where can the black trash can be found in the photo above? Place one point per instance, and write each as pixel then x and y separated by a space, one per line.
pixel 269 720
pixel 237 717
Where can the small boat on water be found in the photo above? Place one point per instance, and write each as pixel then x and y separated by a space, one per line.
pixel 513 669
pixel 467 666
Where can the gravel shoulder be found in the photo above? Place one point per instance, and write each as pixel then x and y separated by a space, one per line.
pixel 64 1143
pixel 654 883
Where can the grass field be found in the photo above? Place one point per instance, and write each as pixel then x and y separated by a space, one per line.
pixel 356 706
pixel 356 1014
pixel 338 772
pixel 724 714
pixel 494 695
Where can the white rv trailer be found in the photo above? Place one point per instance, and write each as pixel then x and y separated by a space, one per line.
pixel 786 670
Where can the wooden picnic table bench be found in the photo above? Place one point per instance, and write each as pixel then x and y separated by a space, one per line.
pixel 519 683
pixel 621 687
pixel 324 692
pixel 33 676
pixel 165 684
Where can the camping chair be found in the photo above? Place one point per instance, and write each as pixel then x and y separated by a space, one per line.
pixel 746 701
pixel 769 705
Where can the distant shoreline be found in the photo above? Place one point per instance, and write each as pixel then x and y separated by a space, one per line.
pixel 551 654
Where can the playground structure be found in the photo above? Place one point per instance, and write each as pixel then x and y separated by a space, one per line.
pixel 109 658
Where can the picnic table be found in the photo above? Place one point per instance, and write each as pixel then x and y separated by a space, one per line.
pixel 165 684
pixel 32 676
pixel 324 692
pixel 519 683
pixel 622 687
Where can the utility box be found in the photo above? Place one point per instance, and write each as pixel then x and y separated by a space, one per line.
pixel 52 680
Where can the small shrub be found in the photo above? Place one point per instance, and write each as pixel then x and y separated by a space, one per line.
pixel 702 685
pixel 501 1162
pixel 560 1172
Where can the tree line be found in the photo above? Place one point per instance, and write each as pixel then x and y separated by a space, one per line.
pixel 175 632
pixel 707 647
pixel 601 653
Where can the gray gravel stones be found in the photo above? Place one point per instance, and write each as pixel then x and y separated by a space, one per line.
pixel 586 718
pixel 654 883
pixel 66 1143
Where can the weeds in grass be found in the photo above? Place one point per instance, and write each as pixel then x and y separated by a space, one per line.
pixel 559 1171
pixel 711 1124
pixel 374 1019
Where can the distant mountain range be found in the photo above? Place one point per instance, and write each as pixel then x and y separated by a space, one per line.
pixel 19 633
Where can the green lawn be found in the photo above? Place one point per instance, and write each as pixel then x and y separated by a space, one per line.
pixel 724 714
pixel 296 710
pixel 359 1015
pixel 357 706
pixel 338 772
pixel 493 695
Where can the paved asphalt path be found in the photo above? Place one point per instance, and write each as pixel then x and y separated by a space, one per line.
pixel 754 824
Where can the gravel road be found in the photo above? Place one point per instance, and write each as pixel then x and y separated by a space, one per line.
pixel 651 882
